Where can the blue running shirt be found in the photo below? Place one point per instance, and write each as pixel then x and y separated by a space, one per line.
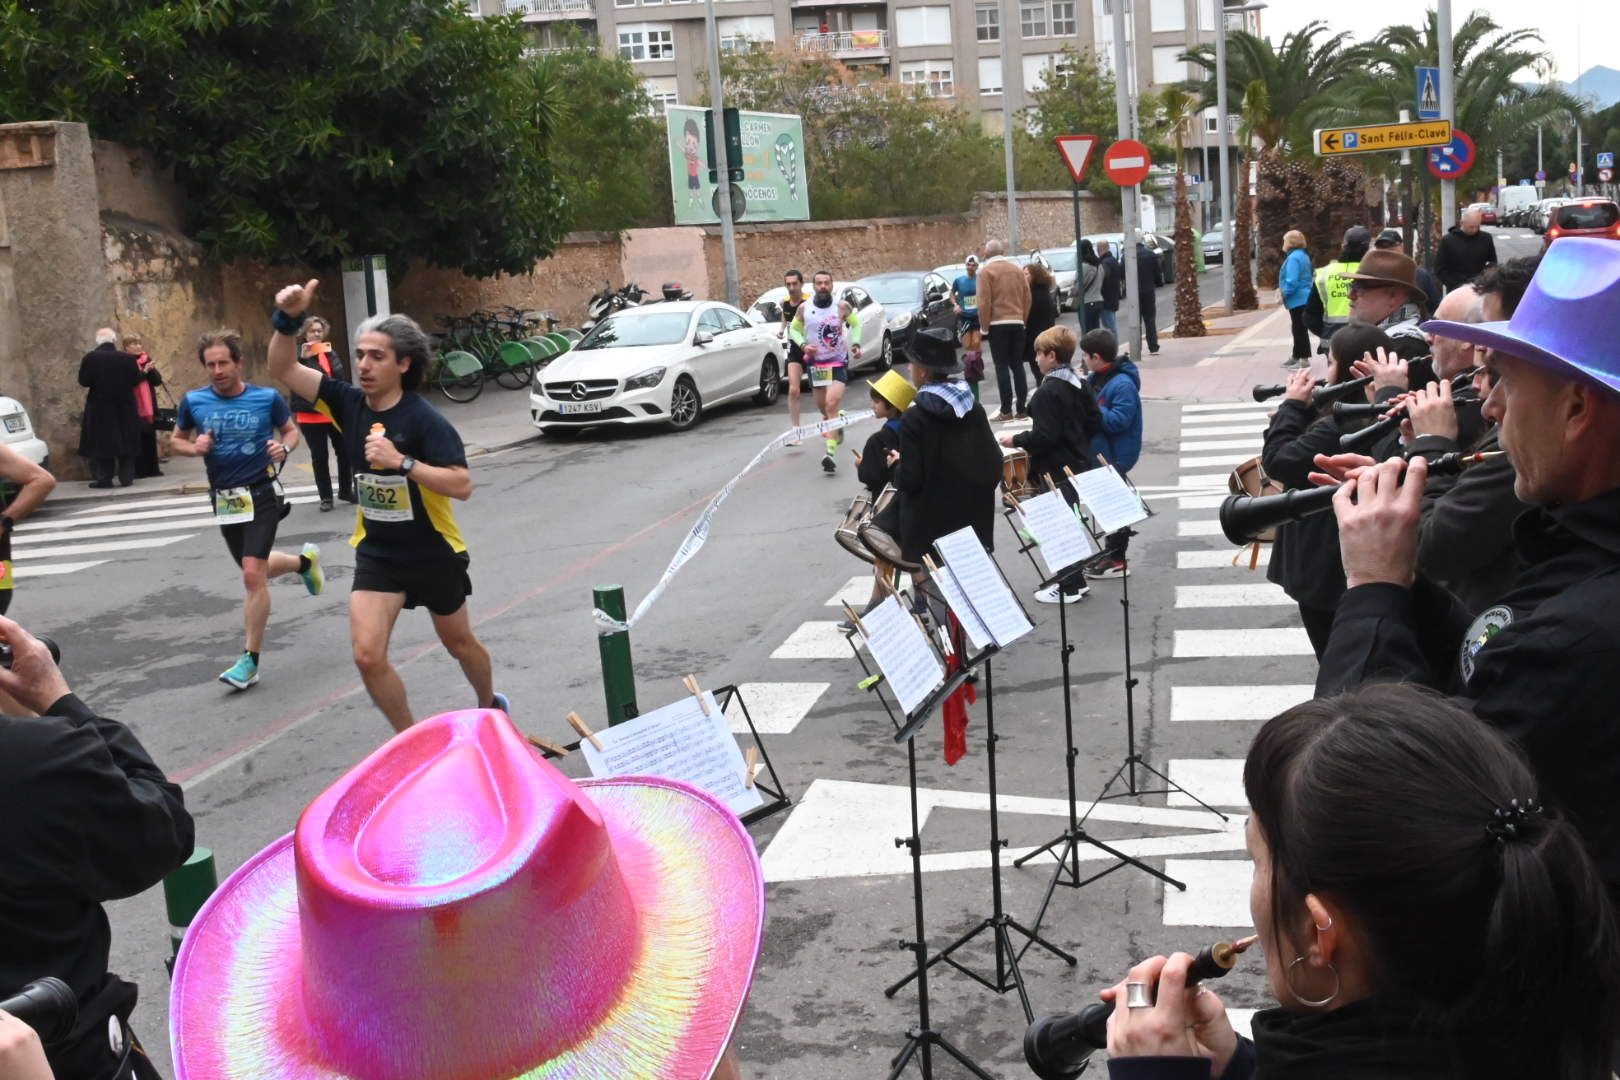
pixel 241 427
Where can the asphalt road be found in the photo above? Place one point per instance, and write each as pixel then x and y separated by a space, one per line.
pixel 146 632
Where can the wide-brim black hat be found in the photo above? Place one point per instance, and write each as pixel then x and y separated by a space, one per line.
pixel 934 350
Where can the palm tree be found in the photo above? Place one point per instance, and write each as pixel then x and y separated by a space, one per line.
pixel 1180 107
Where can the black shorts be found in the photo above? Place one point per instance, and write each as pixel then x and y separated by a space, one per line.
pixel 442 586
pixel 254 539
pixel 840 374
pixel 795 354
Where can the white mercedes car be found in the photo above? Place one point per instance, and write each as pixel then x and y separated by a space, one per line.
pixel 19 432
pixel 658 364
pixel 877 344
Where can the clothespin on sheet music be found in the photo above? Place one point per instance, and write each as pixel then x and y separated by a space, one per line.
pixel 854 618
pixel 750 766
pixel 691 684
pixel 576 722
pixel 546 746
pixel 1051 485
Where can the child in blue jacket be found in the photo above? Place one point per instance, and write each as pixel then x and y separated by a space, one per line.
pixel 1118 385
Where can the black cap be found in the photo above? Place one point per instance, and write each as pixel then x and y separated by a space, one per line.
pixel 1357 235
pixel 934 350
pixel 1389 238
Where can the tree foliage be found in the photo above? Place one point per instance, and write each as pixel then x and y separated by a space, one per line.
pixel 313 129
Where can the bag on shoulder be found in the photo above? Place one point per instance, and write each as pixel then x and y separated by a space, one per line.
pixel 1250 478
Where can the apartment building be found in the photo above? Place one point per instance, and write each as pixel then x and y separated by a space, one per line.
pixel 950 49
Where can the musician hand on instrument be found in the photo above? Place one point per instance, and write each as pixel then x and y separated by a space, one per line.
pixel 22 1056
pixel 1387 369
pixel 1378 515
pixel 1300 384
pixel 1183 1021
pixel 893 459
pixel 1337 468
pixel 1007 440
pixel 1431 411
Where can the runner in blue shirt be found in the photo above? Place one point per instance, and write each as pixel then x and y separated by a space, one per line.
pixel 242 432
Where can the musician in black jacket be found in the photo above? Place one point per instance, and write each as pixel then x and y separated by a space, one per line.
pixel 89 818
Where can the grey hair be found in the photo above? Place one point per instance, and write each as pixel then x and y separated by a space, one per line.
pixel 993 248
pixel 408 341
pixel 106 336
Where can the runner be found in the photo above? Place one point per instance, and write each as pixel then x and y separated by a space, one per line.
pixel 23 486
pixel 409 463
pixel 965 298
pixel 243 432
pixel 820 327
pixel 794 282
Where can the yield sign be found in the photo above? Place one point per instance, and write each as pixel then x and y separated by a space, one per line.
pixel 1076 151
pixel 1127 162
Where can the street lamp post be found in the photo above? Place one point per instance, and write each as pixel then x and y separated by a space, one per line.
pixel 1223 133
pixel 728 233
pixel 1448 106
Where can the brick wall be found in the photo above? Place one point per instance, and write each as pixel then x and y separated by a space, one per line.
pixel 561 284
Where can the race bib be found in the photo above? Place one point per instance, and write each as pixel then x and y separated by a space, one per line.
pixel 383 498
pixel 824 374
pixel 233 506
pixel 970 303
pixel 7 581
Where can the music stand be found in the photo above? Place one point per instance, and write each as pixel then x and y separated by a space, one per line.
pixel 779 800
pixel 922 1038
pixel 1066 845
pixel 999 924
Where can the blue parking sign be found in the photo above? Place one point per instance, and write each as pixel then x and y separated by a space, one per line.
pixel 1352 139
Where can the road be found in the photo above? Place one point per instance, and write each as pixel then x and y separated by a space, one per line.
pixel 143 597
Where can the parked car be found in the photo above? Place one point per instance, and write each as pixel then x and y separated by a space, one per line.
pixel 1487 212
pixel 19 433
pixel 1584 217
pixel 912 300
pixel 1541 215
pixel 877 344
pixel 660 363
pixel 1065 266
pixel 1162 246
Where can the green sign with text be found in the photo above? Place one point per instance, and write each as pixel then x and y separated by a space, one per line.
pixel 774 186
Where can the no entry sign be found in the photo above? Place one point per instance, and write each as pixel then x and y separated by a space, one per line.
pixel 1127 162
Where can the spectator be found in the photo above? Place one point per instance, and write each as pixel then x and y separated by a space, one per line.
pixel 146 462
pixel 1147 284
pixel 1464 252
pixel 91 819
pixel 1113 287
pixel 1384 291
pixel 1091 287
pixel 1043 314
pixel 316 353
pixel 1390 240
pixel 110 433
pixel 1329 304
pixel 1117 384
pixel 1295 282
pixel 1003 307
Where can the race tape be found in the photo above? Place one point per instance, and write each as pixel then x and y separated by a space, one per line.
pixel 699 534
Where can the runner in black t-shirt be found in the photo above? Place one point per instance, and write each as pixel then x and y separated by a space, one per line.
pixel 408 464
pixel 23 486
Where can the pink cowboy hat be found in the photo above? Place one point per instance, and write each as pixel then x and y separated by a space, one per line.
pixel 454 908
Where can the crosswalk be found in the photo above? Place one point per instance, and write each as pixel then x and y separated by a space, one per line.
pixel 70 536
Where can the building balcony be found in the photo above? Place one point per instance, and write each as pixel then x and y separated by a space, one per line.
pixel 542 10
pixel 847 44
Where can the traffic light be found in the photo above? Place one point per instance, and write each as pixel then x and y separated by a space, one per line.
pixel 733 123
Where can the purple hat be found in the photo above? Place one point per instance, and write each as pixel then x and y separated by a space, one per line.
pixel 1564 321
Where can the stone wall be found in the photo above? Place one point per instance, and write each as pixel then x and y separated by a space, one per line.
pixel 1046 218
pixel 561 284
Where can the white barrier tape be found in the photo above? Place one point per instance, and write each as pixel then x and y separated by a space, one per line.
pixel 699 534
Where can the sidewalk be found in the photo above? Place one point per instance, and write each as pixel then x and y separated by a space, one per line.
pixel 1221 366
pixel 498 419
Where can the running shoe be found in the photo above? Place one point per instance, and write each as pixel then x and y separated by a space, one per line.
pixel 314 578
pixel 829 464
pixel 242 674
pixel 499 701
pixel 1103 569
pixel 1053 594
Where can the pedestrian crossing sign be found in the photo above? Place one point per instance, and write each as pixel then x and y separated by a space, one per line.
pixel 1428 93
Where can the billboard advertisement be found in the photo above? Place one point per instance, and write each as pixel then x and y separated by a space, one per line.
pixel 774 187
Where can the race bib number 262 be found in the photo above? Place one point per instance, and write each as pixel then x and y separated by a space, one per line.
pixel 383 498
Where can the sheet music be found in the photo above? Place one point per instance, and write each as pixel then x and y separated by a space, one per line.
pixel 902 652
pixel 976 572
pixel 1060 538
pixel 1113 503
pixel 677 742
pixel 978 634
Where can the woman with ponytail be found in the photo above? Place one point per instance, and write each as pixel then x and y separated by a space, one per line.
pixel 1422 912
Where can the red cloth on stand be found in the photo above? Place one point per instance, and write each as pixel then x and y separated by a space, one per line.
pixel 955 707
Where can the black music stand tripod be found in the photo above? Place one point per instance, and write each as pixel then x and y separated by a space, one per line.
pixel 998 924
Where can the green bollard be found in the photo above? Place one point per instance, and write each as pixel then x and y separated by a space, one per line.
pixel 184 892
pixel 618 676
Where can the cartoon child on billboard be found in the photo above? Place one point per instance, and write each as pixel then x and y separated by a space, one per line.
pixel 690 139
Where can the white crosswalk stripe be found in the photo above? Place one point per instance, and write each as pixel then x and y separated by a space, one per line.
pixel 1242 702
pixel 1203 527
pixel 1260 594
pixel 1256 427
pixel 1218 461
pixel 1221 444
pixel 1221 559
pixel 1224 406
pixel 1246 641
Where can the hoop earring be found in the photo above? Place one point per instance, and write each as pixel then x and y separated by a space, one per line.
pixel 1288 977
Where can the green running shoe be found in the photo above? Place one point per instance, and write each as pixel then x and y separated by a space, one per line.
pixel 314 579
pixel 243 674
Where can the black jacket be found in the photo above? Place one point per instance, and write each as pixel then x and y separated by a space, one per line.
pixel 1113 286
pixel 874 471
pixel 1542 664
pixel 1461 257
pixel 1465 537
pixel 1043 315
pixel 947 476
pixel 1066 418
pixel 1147 277
pixel 110 427
pixel 89 818
pixel 1305 556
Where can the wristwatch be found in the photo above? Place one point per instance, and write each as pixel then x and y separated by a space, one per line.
pixel 406 464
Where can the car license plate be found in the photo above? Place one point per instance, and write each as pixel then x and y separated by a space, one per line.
pixel 567 407
pixel 15 422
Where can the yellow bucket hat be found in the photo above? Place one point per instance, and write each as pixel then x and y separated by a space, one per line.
pixel 892 387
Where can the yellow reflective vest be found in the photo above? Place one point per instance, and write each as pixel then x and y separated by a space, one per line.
pixel 1334 288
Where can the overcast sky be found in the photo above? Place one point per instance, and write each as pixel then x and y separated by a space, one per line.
pixel 1597 42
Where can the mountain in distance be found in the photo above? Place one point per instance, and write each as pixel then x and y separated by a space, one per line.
pixel 1599 85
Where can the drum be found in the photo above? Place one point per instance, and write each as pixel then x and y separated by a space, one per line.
pixel 882 526
pixel 848 532
pixel 1015 472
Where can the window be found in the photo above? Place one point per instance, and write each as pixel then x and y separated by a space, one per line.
pixel 1167 65
pixel 1032 19
pixel 646 41
pixel 661 92
pixel 1169 16
pixel 1103 27
pixel 1063 20
pixel 987 22
pixel 990 75
pixel 736 31
pixel 929 25
pixel 1206 14
pixel 624 3
pixel 1036 69
pixel 934 76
